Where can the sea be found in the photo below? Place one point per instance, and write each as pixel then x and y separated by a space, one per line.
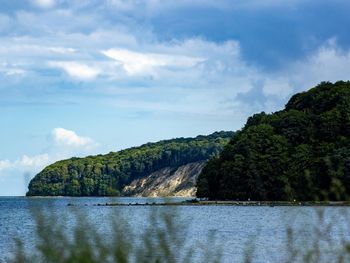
pixel 257 233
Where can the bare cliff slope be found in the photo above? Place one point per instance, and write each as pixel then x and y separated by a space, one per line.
pixel 168 167
pixel 167 182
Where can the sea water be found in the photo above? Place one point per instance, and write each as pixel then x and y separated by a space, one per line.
pixel 260 230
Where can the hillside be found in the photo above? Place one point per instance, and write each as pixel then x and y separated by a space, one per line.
pixel 299 153
pixel 111 174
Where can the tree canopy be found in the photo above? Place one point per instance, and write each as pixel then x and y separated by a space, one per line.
pixel 106 175
pixel 299 153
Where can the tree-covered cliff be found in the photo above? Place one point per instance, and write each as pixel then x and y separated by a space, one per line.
pixel 106 175
pixel 301 152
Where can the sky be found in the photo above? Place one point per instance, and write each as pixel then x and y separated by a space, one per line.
pixel 89 77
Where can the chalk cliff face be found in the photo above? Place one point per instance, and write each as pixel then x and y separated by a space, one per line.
pixel 180 181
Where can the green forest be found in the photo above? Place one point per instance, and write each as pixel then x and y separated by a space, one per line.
pixel 106 175
pixel 299 153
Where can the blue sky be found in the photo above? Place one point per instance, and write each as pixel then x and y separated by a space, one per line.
pixel 86 77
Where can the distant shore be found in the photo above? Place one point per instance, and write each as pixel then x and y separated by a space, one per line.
pixel 230 203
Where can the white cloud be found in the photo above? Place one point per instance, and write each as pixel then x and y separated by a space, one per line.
pixel 17 173
pixel 277 87
pixel 68 143
pixel 45 3
pixel 26 162
pixel 135 63
pixel 5 164
pixel 12 70
pixel 62 50
pixel 195 65
pixel 15 72
pixel 76 69
pixel 328 63
pixel 34 161
pixel 63 137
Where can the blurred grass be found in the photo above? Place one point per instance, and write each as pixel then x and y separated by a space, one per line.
pixel 326 240
pixel 164 239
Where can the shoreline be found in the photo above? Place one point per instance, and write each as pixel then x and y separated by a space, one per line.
pixel 229 203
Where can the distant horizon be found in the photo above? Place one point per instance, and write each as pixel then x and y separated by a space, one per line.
pixel 87 77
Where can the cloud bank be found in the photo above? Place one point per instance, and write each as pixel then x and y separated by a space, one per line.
pixel 137 63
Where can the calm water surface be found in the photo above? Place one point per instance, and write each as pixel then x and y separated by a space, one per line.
pixel 236 227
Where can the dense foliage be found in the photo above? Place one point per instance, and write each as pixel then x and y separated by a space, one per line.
pixel 299 153
pixel 106 175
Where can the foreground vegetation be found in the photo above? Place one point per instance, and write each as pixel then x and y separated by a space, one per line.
pixel 299 153
pixel 106 175
pixel 164 239
pixel 59 239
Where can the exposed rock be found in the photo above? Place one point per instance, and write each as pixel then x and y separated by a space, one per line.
pixel 167 182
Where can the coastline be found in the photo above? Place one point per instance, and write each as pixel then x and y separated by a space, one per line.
pixel 195 202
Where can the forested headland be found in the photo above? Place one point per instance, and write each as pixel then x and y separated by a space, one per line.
pixel 106 175
pixel 299 153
